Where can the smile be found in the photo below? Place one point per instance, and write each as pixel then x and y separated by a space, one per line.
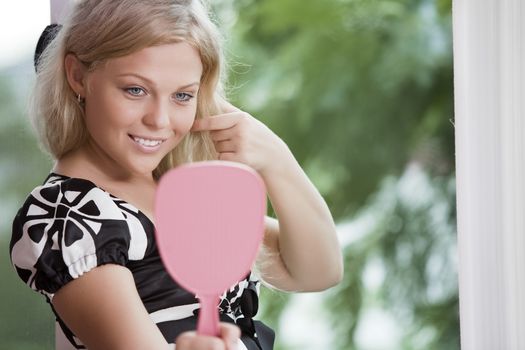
pixel 146 142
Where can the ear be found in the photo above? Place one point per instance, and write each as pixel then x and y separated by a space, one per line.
pixel 76 74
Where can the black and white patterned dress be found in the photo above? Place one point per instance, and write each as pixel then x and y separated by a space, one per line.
pixel 68 226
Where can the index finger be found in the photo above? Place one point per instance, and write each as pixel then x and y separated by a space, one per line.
pixel 216 122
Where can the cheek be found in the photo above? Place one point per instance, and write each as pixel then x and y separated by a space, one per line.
pixel 184 121
pixel 114 111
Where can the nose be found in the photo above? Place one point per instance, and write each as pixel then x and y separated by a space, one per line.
pixel 158 114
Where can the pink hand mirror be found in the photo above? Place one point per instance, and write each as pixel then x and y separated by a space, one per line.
pixel 209 219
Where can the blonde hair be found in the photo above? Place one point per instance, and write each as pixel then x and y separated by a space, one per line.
pixel 98 30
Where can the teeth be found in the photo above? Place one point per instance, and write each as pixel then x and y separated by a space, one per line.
pixel 148 143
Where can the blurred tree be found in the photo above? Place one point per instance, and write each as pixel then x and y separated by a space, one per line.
pixel 410 234
pixel 358 90
pixel 357 87
pixel 26 321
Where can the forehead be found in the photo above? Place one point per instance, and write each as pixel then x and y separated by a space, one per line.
pixel 170 63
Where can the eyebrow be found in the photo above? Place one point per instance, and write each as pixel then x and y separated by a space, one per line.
pixel 152 83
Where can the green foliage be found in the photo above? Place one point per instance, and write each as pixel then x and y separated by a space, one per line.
pixel 410 234
pixel 22 164
pixel 346 300
pixel 26 321
pixel 358 90
pixel 348 85
pixel 272 303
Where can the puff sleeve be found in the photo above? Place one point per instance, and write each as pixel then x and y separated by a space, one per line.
pixel 66 228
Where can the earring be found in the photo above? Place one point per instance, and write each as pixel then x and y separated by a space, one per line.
pixel 80 100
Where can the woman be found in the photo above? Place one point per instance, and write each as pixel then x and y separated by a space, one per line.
pixel 127 90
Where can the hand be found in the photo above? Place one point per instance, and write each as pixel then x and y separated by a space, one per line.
pixel 239 137
pixel 228 338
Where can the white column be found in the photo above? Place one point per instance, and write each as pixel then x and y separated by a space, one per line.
pixel 59 9
pixel 489 71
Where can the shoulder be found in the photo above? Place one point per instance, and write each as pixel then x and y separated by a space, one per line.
pixel 66 227
pixel 64 198
pixel 74 194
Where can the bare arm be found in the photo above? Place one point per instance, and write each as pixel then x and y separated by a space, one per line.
pixel 104 310
pixel 304 252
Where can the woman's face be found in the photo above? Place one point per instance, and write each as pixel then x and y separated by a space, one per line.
pixel 139 107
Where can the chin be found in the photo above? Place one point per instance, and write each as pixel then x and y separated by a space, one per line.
pixel 143 169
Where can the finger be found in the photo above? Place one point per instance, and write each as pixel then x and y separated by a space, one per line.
pixel 216 122
pixel 234 345
pixel 193 341
pixel 185 340
pixel 222 135
pixel 228 156
pixel 205 342
pixel 225 146
pixel 230 334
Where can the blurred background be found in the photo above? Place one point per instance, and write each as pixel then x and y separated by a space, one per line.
pixel 361 91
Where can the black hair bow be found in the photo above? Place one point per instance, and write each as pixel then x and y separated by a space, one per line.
pixel 46 37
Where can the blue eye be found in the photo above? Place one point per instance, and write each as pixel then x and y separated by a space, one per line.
pixel 134 91
pixel 183 96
